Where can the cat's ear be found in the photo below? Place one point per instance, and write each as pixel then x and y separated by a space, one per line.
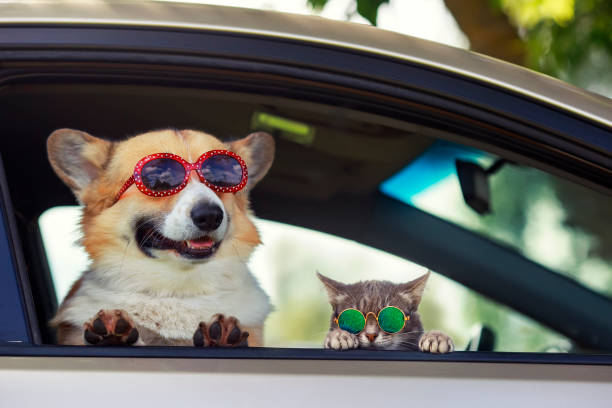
pixel 412 292
pixel 335 290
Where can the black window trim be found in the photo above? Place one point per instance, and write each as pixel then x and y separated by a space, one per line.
pixel 269 353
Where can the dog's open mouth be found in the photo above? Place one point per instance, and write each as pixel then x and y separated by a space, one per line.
pixel 148 237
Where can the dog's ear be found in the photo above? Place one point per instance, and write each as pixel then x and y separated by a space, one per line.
pixel 257 150
pixel 77 157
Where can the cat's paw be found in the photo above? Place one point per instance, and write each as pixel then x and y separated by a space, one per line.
pixel 110 328
pixel 338 339
pixel 435 341
pixel 220 332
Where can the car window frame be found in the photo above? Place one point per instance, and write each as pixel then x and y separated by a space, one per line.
pixel 19 324
pixel 436 92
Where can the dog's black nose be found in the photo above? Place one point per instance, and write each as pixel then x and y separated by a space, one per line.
pixel 207 217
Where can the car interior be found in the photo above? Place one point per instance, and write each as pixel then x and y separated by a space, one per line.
pixel 330 163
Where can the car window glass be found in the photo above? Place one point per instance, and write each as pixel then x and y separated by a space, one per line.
pixel 559 224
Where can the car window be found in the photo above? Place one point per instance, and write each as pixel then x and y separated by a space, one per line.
pixel 330 167
pixel 556 223
pixel 285 266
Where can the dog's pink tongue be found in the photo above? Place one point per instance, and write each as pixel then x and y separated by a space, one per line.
pixel 200 243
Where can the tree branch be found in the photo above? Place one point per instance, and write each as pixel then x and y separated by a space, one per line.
pixel 489 32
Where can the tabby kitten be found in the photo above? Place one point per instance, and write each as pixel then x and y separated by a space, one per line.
pixel 370 297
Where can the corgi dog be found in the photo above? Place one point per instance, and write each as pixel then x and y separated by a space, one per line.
pixel 166 224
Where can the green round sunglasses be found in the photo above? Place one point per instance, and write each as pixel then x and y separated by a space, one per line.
pixel 390 319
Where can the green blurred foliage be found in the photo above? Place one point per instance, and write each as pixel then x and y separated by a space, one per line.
pixel 317 4
pixel 571 40
pixel 368 9
pixel 567 39
pixel 553 208
pixel 528 13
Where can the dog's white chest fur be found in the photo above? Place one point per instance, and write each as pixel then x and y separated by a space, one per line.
pixel 172 317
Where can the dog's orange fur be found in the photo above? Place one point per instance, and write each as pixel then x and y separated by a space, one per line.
pixel 189 144
pixel 104 222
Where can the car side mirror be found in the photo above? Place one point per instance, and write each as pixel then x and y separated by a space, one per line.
pixel 474 182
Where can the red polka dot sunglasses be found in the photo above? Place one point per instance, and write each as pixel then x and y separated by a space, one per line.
pixel 165 174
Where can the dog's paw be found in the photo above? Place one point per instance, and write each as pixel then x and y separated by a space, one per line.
pixel 220 332
pixel 435 341
pixel 110 328
pixel 338 339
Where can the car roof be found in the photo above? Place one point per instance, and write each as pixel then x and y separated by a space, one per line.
pixel 356 37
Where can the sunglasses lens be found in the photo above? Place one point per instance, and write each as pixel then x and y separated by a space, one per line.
pixel 162 174
pixel 222 171
pixel 351 320
pixel 391 319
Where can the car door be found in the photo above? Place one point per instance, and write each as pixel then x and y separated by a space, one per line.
pixel 349 107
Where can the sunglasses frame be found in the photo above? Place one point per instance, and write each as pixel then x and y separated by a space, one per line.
pixel 136 178
pixel 365 318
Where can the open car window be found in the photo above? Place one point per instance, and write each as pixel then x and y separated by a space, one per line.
pixel 324 207
pixel 285 265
